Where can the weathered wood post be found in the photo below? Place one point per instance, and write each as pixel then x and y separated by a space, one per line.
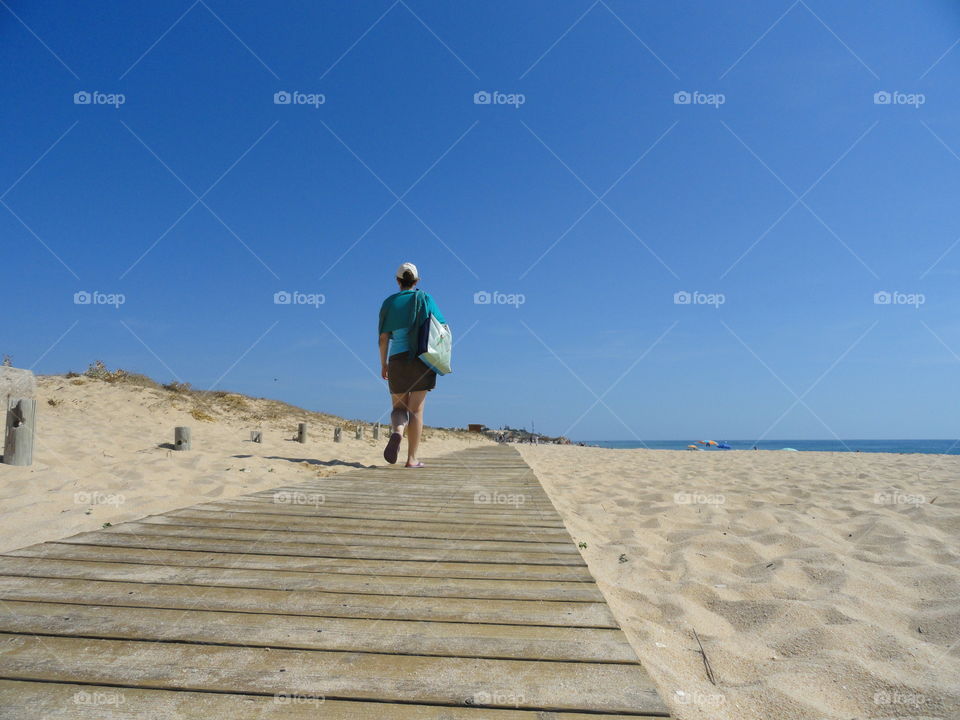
pixel 18 444
pixel 376 431
pixel 181 438
pixel 302 433
pixel 336 434
pixel 256 436
pixel 359 432
pixel 18 389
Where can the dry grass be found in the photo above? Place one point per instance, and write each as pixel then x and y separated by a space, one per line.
pixel 200 415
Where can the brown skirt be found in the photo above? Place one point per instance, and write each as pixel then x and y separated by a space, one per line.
pixel 406 374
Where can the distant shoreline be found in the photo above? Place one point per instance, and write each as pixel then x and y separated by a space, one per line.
pixel 922 447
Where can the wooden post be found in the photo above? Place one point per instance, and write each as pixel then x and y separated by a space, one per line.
pixel 256 436
pixel 181 438
pixel 336 434
pixel 359 432
pixel 376 431
pixel 18 443
pixel 302 432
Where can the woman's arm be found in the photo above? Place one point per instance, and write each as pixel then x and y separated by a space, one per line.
pixel 384 344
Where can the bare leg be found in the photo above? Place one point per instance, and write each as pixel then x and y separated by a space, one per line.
pixel 415 403
pixel 399 416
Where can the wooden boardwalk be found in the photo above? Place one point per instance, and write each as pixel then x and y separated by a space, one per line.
pixel 452 592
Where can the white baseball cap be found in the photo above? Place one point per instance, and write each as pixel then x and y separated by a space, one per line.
pixel 407 266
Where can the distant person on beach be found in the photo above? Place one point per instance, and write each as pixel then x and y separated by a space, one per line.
pixel 408 377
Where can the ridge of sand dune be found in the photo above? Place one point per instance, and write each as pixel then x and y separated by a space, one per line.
pixel 98 454
pixel 822 585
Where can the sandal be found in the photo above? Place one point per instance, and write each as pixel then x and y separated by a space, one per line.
pixel 418 465
pixel 392 449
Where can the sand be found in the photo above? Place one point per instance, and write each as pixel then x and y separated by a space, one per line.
pixel 98 455
pixel 822 585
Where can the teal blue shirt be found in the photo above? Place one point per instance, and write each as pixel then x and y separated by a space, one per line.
pixel 404 311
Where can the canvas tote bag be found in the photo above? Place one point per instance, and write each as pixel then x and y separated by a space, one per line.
pixel 436 345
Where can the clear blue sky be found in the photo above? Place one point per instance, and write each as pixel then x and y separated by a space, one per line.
pixel 796 199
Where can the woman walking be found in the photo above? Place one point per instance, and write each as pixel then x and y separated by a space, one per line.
pixel 408 377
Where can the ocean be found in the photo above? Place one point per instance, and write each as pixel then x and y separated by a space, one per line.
pixel 931 447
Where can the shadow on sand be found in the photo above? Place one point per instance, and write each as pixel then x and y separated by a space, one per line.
pixel 311 461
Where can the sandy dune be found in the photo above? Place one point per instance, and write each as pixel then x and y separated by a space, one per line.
pixel 98 455
pixel 822 585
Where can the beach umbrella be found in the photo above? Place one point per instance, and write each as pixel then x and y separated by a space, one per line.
pixel 711 442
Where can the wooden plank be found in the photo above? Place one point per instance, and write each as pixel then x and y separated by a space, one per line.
pixel 309 498
pixel 456 531
pixel 56 701
pixel 352 492
pixel 297 602
pixel 313 633
pixel 123 536
pixel 132 553
pixel 394 516
pixel 237 530
pixel 419 587
pixel 508 684
pixel 364 483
